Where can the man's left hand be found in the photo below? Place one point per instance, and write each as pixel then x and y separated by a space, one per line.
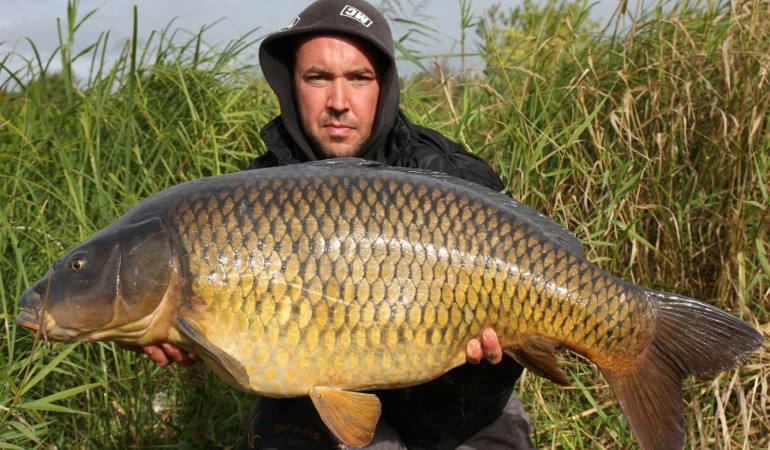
pixel 488 348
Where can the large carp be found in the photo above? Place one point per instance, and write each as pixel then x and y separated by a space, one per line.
pixel 331 278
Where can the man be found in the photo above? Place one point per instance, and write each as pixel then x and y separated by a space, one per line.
pixel 333 70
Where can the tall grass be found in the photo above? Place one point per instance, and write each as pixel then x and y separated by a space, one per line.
pixel 651 143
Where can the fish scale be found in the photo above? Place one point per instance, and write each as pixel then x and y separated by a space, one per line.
pixel 341 276
pixel 340 258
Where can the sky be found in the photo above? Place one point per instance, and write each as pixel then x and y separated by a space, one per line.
pixel 22 21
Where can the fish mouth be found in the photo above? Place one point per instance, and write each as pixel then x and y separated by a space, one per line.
pixel 33 316
pixel 36 320
pixel 44 325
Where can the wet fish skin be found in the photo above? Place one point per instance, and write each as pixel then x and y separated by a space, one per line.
pixel 352 276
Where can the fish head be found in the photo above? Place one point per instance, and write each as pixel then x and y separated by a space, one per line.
pixel 117 277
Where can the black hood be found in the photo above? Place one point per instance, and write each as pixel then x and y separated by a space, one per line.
pixel 355 18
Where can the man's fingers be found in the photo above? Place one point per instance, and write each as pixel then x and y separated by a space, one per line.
pixel 490 346
pixel 164 354
pixel 178 355
pixel 487 348
pixel 157 354
pixel 473 352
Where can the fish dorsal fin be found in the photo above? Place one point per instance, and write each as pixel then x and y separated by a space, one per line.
pixel 536 354
pixel 350 416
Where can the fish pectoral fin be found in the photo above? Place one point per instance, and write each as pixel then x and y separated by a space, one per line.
pixel 350 416
pixel 537 355
pixel 227 367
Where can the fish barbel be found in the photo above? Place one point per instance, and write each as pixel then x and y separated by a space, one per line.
pixel 342 276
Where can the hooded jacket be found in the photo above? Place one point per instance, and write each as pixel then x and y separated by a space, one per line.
pixel 354 18
pixel 445 412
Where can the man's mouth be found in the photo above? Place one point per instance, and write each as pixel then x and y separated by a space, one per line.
pixel 338 129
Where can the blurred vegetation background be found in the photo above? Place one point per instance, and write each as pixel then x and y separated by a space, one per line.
pixel 648 138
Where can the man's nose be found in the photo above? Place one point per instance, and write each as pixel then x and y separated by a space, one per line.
pixel 338 96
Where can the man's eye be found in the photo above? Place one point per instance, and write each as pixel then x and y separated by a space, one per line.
pixel 315 79
pixel 362 79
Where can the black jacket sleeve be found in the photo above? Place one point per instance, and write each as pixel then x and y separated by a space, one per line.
pixel 430 150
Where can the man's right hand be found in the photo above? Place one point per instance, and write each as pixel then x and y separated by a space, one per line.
pixel 164 354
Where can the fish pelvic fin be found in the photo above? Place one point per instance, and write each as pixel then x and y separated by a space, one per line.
pixel 537 355
pixel 690 337
pixel 351 416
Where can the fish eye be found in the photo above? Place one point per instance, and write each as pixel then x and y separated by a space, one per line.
pixel 77 264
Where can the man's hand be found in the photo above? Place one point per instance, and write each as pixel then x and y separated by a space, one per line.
pixel 488 348
pixel 164 354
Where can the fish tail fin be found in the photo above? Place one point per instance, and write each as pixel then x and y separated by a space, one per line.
pixel 690 337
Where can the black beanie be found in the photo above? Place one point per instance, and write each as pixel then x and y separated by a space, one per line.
pixel 355 18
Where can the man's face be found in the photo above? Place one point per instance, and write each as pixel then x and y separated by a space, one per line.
pixel 336 88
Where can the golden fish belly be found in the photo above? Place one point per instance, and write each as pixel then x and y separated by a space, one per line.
pixel 363 283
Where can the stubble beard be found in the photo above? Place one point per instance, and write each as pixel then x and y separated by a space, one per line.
pixel 338 148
